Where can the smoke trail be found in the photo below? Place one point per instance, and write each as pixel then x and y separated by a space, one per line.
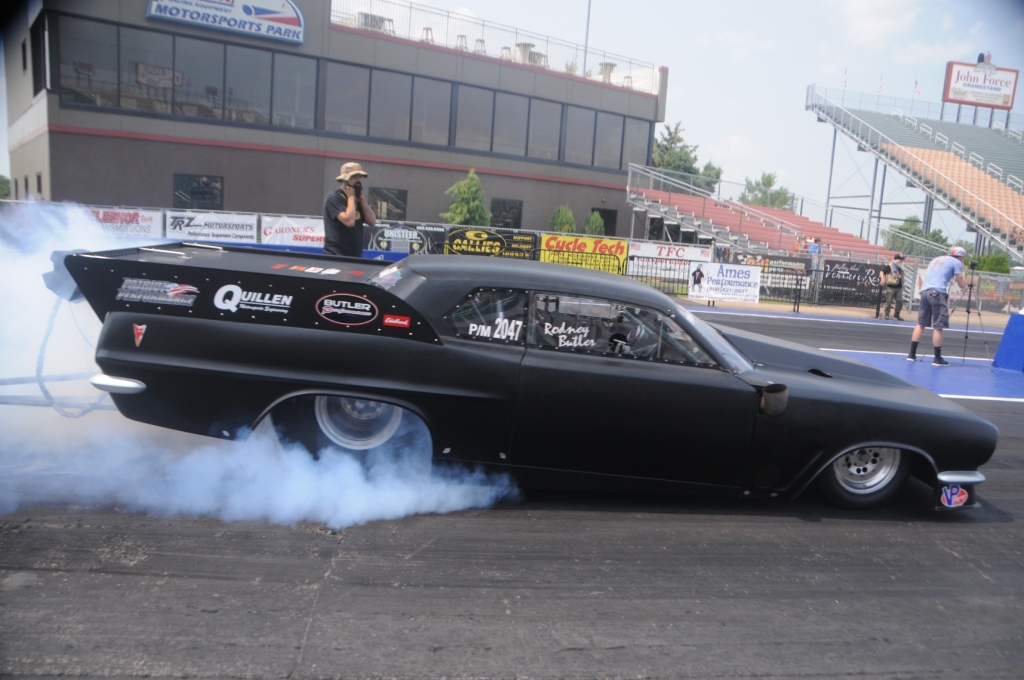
pixel 105 459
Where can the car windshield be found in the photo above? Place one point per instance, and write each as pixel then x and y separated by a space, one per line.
pixel 712 339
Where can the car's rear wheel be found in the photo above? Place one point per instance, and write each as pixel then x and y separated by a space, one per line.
pixel 865 478
pixel 347 424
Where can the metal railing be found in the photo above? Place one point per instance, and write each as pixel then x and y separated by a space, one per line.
pixel 960 200
pixel 429 25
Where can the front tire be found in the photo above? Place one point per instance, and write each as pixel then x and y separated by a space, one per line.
pixel 347 424
pixel 865 478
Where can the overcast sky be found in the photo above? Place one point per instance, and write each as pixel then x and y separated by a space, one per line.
pixel 738 71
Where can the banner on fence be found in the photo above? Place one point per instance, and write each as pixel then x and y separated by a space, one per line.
pixel 778 271
pixel 490 242
pixel 603 254
pixel 299 232
pixel 398 238
pixel 148 224
pixel 230 227
pixel 725 282
pixel 668 251
pixel 851 278
pixel 651 270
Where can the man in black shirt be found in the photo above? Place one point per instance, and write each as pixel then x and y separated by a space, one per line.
pixel 345 214
pixel 892 279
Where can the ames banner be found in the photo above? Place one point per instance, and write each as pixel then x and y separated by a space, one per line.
pixel 233 228
pixel 981 84
pixel 726 282
pixel 520 245
pixel 603 254
pixel 148 224
pixel 298 232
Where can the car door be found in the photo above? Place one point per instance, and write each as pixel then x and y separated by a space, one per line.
pixel 617 389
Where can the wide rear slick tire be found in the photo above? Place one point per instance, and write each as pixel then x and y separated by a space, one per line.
pixel 347 424
pixel 865 478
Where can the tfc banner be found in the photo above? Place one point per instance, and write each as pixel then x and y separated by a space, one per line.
pixel 668 251
pixel 603 254
pixel 148 224
pixel 299 232
pixel 184 226
pixel 981 84
pixel 490 242
pixel 726 282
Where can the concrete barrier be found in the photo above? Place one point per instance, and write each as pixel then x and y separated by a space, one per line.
pixel 1010 354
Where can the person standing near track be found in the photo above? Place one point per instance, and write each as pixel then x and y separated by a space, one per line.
pixel 346 212
pixel 892 279
pixel 934 309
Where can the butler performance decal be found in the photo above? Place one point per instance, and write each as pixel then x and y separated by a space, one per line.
pixel 147 224
pixel 232 298
pixel 273 19
pixel 346 309
pixel 490 242
pixel 603 254
pixel 720 281
pixel 227 227
pixel 302 232
pixel 157 292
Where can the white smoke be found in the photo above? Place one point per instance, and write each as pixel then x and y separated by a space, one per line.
pixel 104 459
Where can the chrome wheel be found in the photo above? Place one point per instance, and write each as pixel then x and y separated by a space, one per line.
pixel 357 424
pixel 867 470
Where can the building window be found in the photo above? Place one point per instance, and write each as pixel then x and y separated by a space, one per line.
pixel 24 56
pixel 199 89
pixel 294 91
pixel 15 183
pixel 147 71
pixel 198 192
pixel 38 38
pixel 608 140
pixel 390 105
pixel 579 136
pixel 474 117
pixel 348 99
pixel 545 128
pixel 637 139
pixel 431 111
pixel 610 218
pixel 88 62
pixel 26 187
pixel 388 204
pixel 39 183
pixel 506 213
pixel 510 115
pixel 247 92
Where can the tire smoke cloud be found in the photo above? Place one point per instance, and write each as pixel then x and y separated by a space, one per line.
pixel 104 459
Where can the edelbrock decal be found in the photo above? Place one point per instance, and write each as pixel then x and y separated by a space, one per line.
pixel 157 292
pixel 346 309
pixel 397 321
pixel 232 298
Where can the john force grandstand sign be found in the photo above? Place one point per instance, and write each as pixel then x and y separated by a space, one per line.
pixel 272 19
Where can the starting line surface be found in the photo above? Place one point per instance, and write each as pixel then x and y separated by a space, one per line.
pixel 795 316
pixel 970 379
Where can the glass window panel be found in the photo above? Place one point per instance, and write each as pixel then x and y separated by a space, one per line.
pixel 147 71
pixel 507 213
pixel 638 133
pixel 510 115
pixel 294 91
pixel 248 85
pixel 579 136
pixel 608 141
pixel 473 122
pixel 88 62
pixel 545 128
pixel 348 96
pixel 491 315
pixel 199 91
pixel 431 111
pixel 390 99
pixel 198 192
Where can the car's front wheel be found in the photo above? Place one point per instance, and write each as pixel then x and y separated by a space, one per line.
pixel 348 424
pixel 865 478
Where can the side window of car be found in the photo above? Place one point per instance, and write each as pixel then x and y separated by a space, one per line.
pixel 491 315
pixel 593 326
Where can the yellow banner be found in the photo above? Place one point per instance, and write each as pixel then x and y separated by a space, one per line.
pixel 603 254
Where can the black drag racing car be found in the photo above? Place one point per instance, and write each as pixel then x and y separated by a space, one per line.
pixel 562 377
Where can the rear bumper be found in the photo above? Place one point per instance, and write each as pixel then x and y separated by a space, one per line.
pixel 956 489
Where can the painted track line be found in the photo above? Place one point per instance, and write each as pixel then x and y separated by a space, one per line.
pixel 964 396
pixel 830 319
pixel 895 354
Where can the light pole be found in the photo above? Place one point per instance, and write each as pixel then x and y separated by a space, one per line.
pixel 586 40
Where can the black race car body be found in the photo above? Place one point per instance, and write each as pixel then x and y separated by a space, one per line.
pixel 561 376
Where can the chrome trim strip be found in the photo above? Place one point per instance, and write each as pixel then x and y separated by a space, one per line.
pixel 955 477
pixel 108 383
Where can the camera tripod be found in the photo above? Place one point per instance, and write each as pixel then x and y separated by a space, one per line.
pixel 967 328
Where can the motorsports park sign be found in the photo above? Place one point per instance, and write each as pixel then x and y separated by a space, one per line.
pixel 272 19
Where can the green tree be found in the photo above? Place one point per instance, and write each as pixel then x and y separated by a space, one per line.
pixel 764 192
pixel 911 226
pixel 5 187
pixel 997 262
pixel 594 225
pixel 671 152
pixel 467 206
pixel 563 220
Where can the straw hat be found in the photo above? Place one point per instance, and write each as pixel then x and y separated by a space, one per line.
pixel 349 170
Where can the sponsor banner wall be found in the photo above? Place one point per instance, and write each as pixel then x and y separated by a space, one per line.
pixel 669 251
pixel 301 232
pixel 398 238
pixel 491 242
pixel 273 19
pixel 980 85
pixel 726 282
pixel 227 227
pixel 777 271
pixel 851 277
pixel 603 254
pixel 147 224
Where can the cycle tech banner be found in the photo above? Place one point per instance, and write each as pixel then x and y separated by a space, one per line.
pixel 490 242
pixel 725 282
pixel 227 227
pixel 398 238
pixel 148 224
pixel 301 232
pixel 603 254
pixel 669 251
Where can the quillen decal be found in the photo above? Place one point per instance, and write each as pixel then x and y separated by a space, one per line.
pixel 232 298
pixel 954 495
pixel 271 19
pixel 279 265
pixel 139 331
pixel 157 292
pixel 346 309
pixel 397 321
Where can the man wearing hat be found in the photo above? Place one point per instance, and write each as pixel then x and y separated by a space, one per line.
pixel 346 212
pixel 934 310
pixel 892 275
